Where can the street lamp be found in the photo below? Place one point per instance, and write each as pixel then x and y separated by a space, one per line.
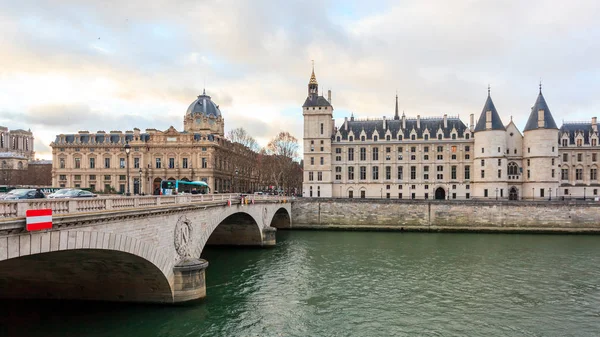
pixel 140 183
pixel 236 179
pixel 496 193
pixel 127 148
pixel 550 193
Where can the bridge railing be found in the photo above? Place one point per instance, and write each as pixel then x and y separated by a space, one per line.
pixel 18 208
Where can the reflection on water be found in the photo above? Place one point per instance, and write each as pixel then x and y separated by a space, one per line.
pixel 361 284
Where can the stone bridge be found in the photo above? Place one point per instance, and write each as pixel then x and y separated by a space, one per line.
pixel 135 249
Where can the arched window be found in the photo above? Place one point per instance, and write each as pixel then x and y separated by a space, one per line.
pixel 412 137
pixel 399 137
pixel 426 137
pixel 20 165
pixel 454 136
pixel 350 139
pixel 387 137
pixel 362 138
pixel 440 136
pixel 513 169
pixel 375 138
pixel 338 138
pixel 467 136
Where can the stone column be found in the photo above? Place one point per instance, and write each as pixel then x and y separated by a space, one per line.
pixel 189 283
pixel 269 239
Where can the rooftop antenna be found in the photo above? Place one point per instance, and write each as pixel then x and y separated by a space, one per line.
pixel 540 85
pixel 489 87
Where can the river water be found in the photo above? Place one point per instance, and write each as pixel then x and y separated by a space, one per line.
pixel 362 284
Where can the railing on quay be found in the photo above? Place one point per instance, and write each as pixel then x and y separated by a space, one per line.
pixel 18 208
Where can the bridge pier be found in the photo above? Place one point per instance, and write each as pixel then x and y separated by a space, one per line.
pixel 189 282
pixel 269 239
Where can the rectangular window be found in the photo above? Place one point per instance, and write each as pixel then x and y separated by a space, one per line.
pixel 338 158
pixel 311 176
pixel 388 149
pixel 400 172
pixel 579 157
pixel 204 163
pixel 375 153
pixel 375 172
pixel 499 162
pixel 122 188
pixel 322 128
pixel 552 173
pixel 92 177
pixel 350 154
pixel 63 177
pixel 171 163
pixel 122 177
pixel 440 149
pixel 312 160
pixel 593 174
pixel 564 174
pixel 62 163
pixel 426 149
pixel 322 160
pixel 426 172
pixel 565 157
pixel 413 172
pixel 485 193
pixel 158 163
pixel 467 148
pixel 363 154
pixel 350 172
pixel 363 172
pixel 467 172
pixel 77 163
pixel 107 188
pixel 528 174
pixel 136 162
pixel 121 162
pixel 578 174
pixel 92 162
pixel 106 177
pixel 319 176
pixel 338 173
pixel 594 157
pixel 453 172
pixel 388 172
pixel 106 162
pixel 93 187
pixel 482 173
pixel 482 162
pixel 413 149
pixel 338 150
pixel 184 163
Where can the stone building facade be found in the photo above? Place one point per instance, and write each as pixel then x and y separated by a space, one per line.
pixel 199 152
pixel 17 164
pixel 443 158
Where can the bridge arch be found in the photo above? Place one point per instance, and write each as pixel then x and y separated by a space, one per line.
pixel 237 229
pixel 281 219
pixel 95 272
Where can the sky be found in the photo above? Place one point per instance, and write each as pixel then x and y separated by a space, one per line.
pixel 70 65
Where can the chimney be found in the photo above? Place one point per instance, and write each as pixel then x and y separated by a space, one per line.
pixel 445 121
pixel 329 96
pixel 345 126
pixel 472 122
pixel 418 121
pixel 540 118
pixel 595 124
pixel 384 123
pixel 403 121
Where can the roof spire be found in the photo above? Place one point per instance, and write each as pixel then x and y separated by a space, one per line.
pixel 204 91
pixel 540 85
pixel 489 89
pixel 396 112
pixel 313 78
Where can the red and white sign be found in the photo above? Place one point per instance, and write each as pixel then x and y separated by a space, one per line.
pixel 38 219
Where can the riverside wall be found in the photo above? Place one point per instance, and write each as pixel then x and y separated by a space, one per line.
pixel 447 215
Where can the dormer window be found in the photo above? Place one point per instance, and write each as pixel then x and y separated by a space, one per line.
pixel 387 137
pixel 338 138
pixel 362 138
pixel 413 137
pixel 375 138
pixel 426 137
pixel 350 139
pixel 440 136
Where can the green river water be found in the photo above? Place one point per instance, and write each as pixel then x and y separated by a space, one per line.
pixel 318 283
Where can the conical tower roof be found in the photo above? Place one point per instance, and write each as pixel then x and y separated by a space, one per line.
pixel 532 122
pixel 496 121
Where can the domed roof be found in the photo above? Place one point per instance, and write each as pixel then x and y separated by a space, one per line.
pixel 204 106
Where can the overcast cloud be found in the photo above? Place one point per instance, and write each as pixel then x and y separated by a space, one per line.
pixel 112 65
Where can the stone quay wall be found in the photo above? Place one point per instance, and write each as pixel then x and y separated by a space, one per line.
pixel 447 215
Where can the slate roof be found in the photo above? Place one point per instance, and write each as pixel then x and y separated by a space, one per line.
pixel 395 126
pixel 573 128
pixel 496 121
pixel 532 122
pixel 315 101
pixel 204 106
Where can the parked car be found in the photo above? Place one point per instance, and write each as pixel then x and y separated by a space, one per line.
pixel 22 193
pixel 72 193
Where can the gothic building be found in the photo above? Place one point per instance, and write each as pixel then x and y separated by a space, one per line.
pixel 199 152
pixel 443 158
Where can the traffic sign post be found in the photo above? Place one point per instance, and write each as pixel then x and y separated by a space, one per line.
pixel 38 219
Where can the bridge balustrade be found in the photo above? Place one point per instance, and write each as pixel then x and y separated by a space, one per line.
pixel 17 208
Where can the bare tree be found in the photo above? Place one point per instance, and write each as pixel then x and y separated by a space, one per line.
pixel 241 136
pixel 283 150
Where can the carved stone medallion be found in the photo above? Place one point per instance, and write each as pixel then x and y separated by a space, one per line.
pixel 265 217
pixel 183 236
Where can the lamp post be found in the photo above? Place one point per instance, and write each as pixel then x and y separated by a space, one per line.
pixel 127 148
pixel 140 183
pixel 236 179
pixel 496 193
pixel 550 193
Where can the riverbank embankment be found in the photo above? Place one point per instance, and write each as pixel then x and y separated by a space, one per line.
pixel 447 215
